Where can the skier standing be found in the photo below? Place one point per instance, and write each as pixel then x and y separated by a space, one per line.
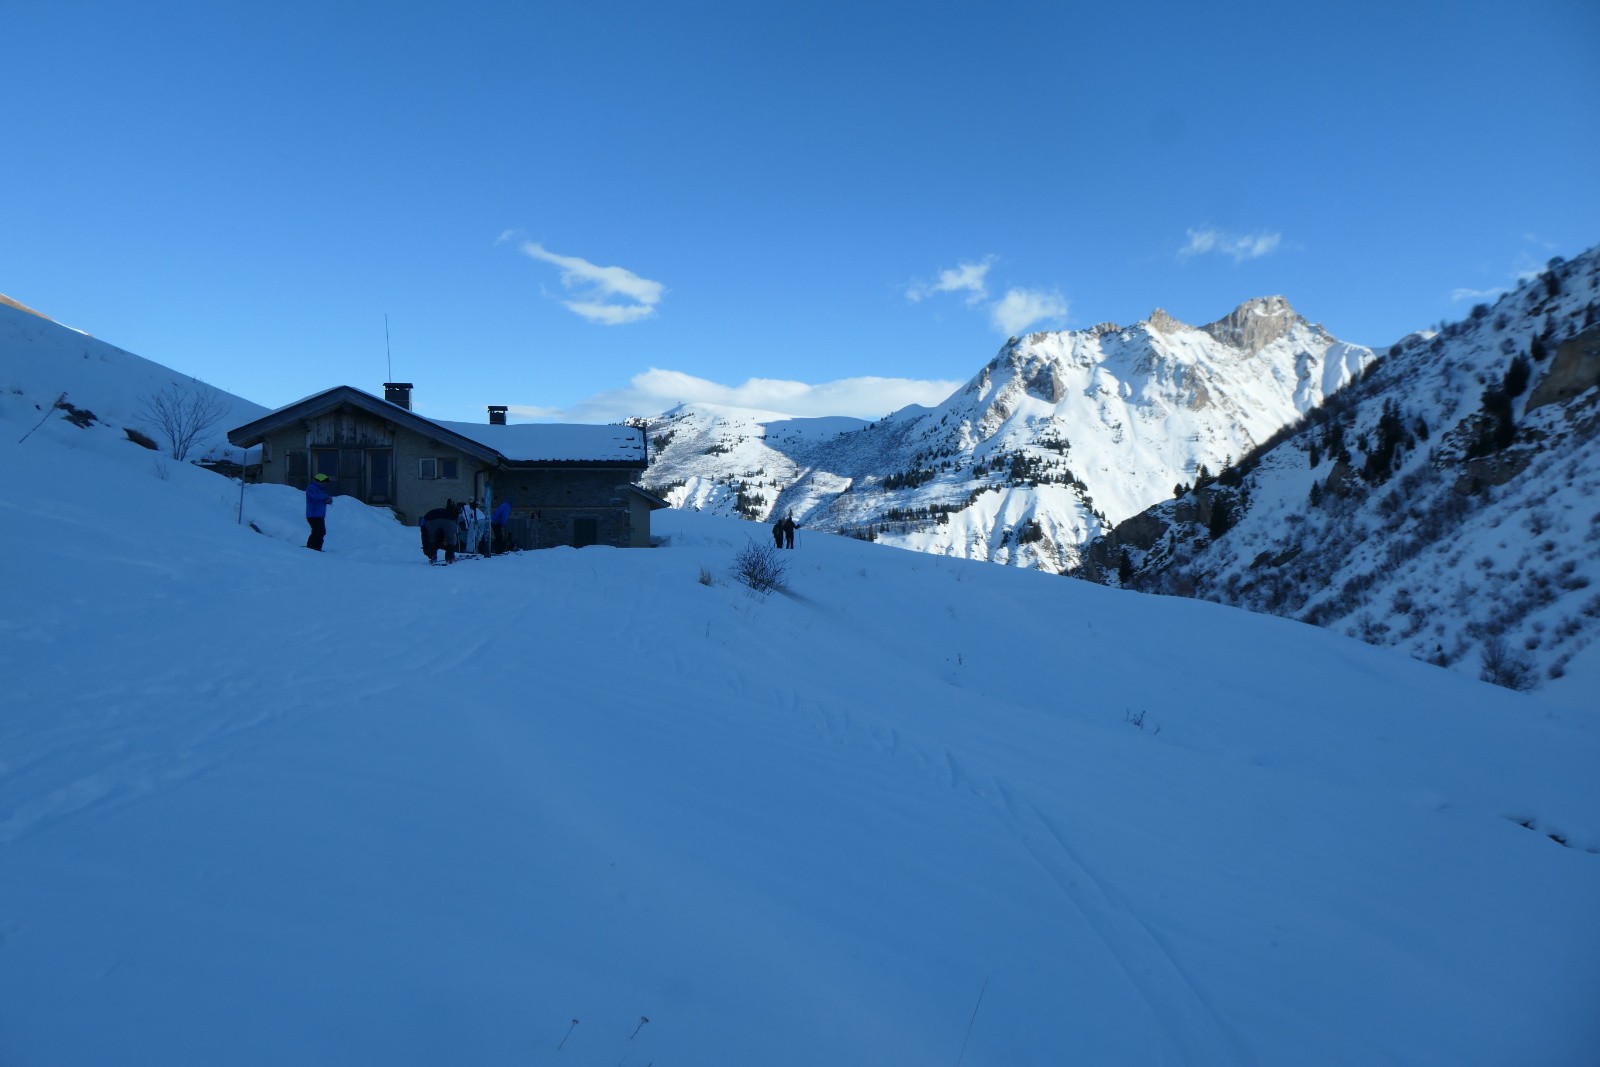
pixel 502 515
pixel 317 500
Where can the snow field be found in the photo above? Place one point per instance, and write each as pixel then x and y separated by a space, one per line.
pixel 259 805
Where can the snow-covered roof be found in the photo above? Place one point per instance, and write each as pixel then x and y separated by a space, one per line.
pixel 541 442
pixel 556 442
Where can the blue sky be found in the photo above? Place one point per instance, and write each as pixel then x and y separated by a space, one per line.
pixel 588 210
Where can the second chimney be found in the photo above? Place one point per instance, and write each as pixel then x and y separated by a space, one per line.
pixel 398 393
pixel 497 414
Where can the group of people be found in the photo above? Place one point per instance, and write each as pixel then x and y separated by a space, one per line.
pixel 783 532
pixel 445 528
pixel 454 526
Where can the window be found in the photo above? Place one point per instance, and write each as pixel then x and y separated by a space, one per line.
pixel 325 461
pixel 439 468
pixel 379 461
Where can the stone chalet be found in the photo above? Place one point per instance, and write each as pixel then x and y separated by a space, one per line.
pixel 567 484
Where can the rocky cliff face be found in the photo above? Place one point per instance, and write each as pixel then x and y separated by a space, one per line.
pixel 1255 324
pixel 1574 370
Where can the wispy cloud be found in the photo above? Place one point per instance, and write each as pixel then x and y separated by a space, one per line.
pixel 1238 246
pixel 1013 313
pixel 609 296
pixel 1458 296
pixel 968 278
pixel 657 390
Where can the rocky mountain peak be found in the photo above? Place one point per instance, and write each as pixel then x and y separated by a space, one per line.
pixel 1255 324
pixel 1161 322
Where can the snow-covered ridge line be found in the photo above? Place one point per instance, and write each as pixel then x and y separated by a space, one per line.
pixel 1058 437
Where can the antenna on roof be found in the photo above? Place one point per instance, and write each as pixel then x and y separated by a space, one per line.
pixel 388 362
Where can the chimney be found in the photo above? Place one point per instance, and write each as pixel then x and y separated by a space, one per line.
pixel 398 393
pixel 497 414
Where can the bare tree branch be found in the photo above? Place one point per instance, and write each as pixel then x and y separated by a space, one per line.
pixel 180 415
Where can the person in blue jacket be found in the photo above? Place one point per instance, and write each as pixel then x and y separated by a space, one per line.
pixel 497 522
pixel 317 499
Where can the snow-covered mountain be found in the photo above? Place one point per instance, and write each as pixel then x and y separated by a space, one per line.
pixel 733 461
pixel 264 806
pixel 1448 504
pixel 1058 438
pixel 48 370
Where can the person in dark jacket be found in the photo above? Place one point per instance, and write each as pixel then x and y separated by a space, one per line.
pixel 502 515
pixel 317 500
pixel 788 530
pixel 777 534
pixel 439 531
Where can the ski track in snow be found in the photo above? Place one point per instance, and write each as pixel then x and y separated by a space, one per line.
pixel 1194 1029
pixel 128 775
pixel 1191 1029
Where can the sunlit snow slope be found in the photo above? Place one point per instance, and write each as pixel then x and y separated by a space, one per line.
pixel 264 806
pixel 1053 441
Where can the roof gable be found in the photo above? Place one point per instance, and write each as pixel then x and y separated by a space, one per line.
pixel 500 445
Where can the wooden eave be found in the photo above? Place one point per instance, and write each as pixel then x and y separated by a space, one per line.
pixel 655 502
pixel 252 433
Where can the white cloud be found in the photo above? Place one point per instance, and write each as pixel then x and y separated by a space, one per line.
pixel 1475 295
pixel 609 314
pixel 969 278
pixel 1011 314
pixel 1239 246
pixel 1020 308
pixel 657 390
pixel 599 289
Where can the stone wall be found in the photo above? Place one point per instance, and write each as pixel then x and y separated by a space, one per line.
pixel 554 505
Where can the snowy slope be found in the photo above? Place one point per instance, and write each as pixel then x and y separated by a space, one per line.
pixel 1059 437
pixel 265 806
pixel 1398 516
pixel 733 461
pixel 42 361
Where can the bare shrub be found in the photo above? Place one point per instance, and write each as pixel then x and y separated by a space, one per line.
pixel 760 567
pixel 1503 667
pixel 1370 630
